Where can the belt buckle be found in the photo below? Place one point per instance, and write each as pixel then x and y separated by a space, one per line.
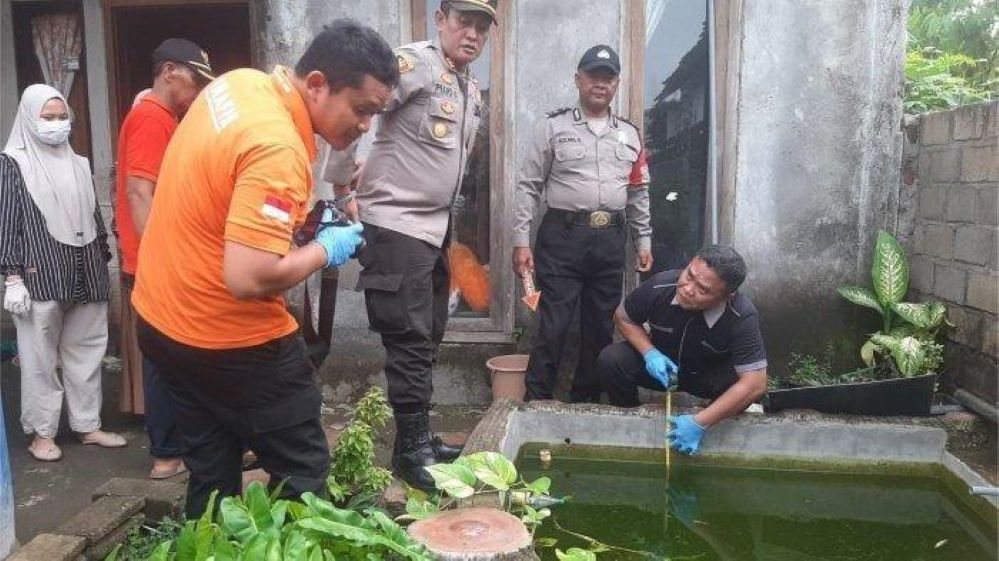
pixel 600 219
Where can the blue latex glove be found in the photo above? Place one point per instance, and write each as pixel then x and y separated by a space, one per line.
pixel 685 434
pixel 660 367
pixel 340 242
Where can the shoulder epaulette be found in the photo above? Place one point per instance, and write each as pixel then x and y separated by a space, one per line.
pixel 620 118
pixel 557 112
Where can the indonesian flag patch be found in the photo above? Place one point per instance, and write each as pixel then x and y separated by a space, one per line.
pixel 640 171
pixel 277 208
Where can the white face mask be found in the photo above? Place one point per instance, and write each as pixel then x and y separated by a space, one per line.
pixel 54 132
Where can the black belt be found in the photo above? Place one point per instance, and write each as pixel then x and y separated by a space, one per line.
pixel 589 218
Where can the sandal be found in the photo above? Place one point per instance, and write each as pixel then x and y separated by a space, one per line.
pixel 103 439
pixel 49 452
pixel 168 473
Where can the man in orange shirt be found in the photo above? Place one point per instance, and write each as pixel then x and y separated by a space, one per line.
pixel 217 255
pixel 180 70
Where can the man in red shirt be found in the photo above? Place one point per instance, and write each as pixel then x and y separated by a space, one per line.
pixel 180 70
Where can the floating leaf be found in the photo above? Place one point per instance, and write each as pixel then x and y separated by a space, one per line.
pixel 575 554
pixel 890 270
pixel 861 296
pixel 542 543
pixel 454 479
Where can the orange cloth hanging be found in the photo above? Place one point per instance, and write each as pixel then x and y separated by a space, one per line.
pixel 469 277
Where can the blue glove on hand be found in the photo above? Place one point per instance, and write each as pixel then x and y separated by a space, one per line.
pixel 685 434
pixel 660 367
pixel 340 242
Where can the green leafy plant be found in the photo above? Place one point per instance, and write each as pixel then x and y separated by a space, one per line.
pixel 257 527
pixel 143 540
pixel 353 473
pixel 952 54
pixel 479 474
pixel 910 330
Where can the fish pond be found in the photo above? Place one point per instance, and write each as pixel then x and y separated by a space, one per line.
pixel 625 507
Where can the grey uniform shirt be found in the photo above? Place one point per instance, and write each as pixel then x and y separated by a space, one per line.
pixel 576 169
pixel 414 170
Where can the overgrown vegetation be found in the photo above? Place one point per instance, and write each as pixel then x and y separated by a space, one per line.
pixel 256 527
pixel 143 540
pixel 354 478
pixel 908 338
pixel 951 57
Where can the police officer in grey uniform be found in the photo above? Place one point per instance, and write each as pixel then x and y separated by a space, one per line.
pixel 404 197
pixel 589 167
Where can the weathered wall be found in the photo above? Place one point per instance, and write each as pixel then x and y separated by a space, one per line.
pixel 818 151
pixel 952 163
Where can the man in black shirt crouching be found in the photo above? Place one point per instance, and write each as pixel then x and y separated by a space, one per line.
pixel 704 339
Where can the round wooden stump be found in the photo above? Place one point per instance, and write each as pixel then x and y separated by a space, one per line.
pixel 475 534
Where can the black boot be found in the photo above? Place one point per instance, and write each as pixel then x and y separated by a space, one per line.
pixel 444 451
pixel 414 450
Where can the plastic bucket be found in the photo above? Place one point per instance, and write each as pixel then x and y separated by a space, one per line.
pixel 507 374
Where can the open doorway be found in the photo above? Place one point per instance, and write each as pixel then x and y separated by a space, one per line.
pixel 48 49
pixel 221 28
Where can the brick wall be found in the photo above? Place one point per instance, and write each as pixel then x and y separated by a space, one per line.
pixel 951 160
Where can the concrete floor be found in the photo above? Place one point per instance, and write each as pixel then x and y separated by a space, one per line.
pixel 47 494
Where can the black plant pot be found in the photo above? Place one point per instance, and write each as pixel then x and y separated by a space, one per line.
pixel 898 396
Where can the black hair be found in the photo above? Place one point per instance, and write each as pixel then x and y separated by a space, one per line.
pixel 345 51
pixel 726 262
pixel 158 68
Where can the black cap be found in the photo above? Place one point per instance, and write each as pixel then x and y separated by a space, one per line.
pixel 600 56
pixel 485 6
pixel 184 52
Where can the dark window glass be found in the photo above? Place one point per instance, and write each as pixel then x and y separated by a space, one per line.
pixel 471 212
pixel 676 126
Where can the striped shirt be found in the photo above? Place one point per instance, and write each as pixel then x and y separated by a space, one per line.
pixel 51 270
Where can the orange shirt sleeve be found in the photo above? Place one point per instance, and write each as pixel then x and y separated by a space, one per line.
pixel 273 183
pixel 147 144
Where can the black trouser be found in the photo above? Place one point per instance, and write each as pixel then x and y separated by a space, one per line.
pixel 263 398
pixel 406 286
pixel 575 265
pixel 622 370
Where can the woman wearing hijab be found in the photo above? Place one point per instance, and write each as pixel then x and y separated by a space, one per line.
pixel 54 253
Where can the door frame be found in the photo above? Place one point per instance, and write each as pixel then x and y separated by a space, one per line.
pixel 111 43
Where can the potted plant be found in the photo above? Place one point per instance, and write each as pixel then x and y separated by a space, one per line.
pixel 901 359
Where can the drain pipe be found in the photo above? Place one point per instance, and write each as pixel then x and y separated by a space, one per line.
pixel 977 404
pixel 712 124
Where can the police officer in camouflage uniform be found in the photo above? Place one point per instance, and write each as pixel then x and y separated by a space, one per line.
pixel 589 167
pixel 404 196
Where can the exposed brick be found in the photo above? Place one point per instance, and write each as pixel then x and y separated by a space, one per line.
pixel 921 274
pixel 162 498
pixel 983 291
pixel 932 203
pixel 974 244
pixel 992 128
pixel 936 128
pixel 945 164
pixel 50 547
pixel 988 206
pixel 949 282
pixel 967 328
pixel 969 122
pixel 980 163
pixel 962 203
pixel 936 240
pixel 990 337
pixel 102 517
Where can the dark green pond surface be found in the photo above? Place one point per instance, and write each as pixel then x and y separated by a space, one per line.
pixel 710 509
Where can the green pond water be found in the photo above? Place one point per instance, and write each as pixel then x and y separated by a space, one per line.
pixel 713 508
